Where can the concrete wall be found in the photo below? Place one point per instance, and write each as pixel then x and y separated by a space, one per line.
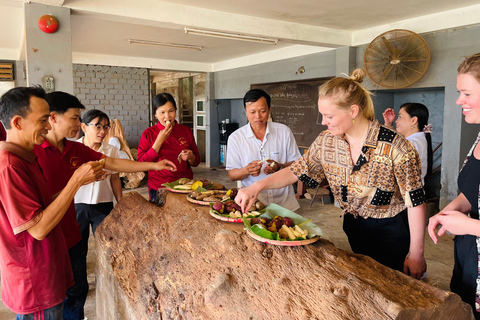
pixel 121 92
pixel 447 50
pixel 48 54
pixel 233 84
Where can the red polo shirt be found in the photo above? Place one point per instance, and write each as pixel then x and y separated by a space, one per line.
pixel 3 133
pixel 58 168
pixel 180 138
pixel 35 274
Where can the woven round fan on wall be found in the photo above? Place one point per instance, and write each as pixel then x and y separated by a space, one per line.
pixel 396 59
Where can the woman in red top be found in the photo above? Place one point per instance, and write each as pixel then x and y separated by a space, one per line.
pixel 167 140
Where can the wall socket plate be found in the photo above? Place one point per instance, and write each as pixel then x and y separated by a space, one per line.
pixel 48 84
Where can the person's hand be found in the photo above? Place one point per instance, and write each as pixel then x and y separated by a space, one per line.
pixel 90 172
pixel 254 168
pixel 165 165
pixel 272 166
pixel 388 117
pixel 163 134
pixel 415 265
pixel 455 222
pixel 245 197
pixel 187 155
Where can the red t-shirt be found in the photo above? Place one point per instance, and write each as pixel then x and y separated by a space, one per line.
pixel 35 274
pixel 58 168
pixel 3 133
pixel 180 138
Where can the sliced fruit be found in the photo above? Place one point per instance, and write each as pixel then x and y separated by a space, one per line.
pixel 197 184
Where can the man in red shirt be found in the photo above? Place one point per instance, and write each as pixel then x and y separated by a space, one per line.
pixel 34 262
pixel 59 159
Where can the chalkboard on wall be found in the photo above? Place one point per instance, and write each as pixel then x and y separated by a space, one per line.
pixel 294 103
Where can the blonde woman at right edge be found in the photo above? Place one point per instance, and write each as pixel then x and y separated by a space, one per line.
pixel 373 173
pixel 461 216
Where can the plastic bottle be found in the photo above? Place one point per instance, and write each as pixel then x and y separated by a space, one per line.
pixel 222 156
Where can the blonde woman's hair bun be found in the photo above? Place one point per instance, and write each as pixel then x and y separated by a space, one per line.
pixel 358 75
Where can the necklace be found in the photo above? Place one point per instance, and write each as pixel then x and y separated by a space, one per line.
pixel 361 140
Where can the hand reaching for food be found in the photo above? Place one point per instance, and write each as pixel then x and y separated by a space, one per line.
pixel 165 165
pixel 246 197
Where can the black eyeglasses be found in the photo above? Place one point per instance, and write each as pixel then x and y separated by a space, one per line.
pixel 99 126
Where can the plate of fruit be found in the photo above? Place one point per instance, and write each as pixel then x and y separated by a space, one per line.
pixel 227 210
pixel 282 227
pixel 185 185
pixel 205 197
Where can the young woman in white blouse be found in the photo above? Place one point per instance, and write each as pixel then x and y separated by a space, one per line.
pixel 94 201
pixel 412 122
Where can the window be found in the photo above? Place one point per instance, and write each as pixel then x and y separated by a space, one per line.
pixel 200 115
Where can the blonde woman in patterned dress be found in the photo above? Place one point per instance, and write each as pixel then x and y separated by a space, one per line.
pixel 461 216
pixel 373 172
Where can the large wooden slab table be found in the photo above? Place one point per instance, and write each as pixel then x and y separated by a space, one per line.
pixel 177 262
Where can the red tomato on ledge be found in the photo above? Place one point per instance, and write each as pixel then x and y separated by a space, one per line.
pixel 48 23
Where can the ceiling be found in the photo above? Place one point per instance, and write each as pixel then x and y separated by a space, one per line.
pixel 101 29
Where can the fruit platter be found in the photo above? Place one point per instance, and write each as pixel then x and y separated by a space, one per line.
pixel 205 197
pixel 185 185
pixel 227 210
pixel 282 227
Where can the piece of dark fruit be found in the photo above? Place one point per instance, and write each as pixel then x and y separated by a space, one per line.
pixel 218 206
pixel 228 202
pixel 255 221
pixel 237 207
pixel 287 221
pixel 277 222
pixel 205 182
pixel 272 228
pixel 233 193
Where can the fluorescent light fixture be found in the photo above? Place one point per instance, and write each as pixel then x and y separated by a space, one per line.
pixel 233 36
pixel 164 44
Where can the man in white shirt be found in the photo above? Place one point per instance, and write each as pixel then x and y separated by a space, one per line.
pixel 262 147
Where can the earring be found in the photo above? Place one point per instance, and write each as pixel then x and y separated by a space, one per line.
pixel 353 120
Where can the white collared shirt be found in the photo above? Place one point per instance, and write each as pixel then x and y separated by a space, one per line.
pixel 99 191
pixel 420 143
pixel 278 144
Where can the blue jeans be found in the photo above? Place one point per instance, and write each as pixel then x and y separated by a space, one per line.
pixel 53 313
pixel 77 294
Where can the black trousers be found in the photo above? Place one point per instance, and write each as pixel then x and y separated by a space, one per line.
pixel 465 270
pixel 87 214
pixel 384 240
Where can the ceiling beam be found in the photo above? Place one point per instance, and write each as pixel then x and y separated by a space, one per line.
pixel 168 76
pixel 58 3
pixel 176 16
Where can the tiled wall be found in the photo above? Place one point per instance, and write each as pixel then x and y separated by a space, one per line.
pixel 121 92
